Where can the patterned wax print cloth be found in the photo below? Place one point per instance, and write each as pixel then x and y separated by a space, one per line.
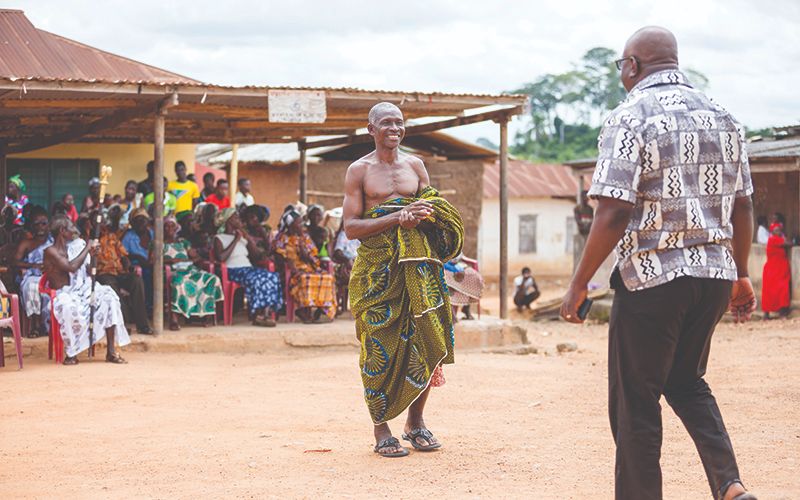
pixel 32 301
pixel 262 288
pixel 110 255
pixel 72 307
pixel 308 285
pixel 18 205
pixel 680 159
pixel 194 292
pixel 400 301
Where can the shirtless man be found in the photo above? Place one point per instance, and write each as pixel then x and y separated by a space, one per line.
pixel 65 264
pixel 384 174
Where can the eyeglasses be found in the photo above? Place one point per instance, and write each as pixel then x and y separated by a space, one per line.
pixel 618 62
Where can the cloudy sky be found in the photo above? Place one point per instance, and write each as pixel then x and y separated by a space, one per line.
pixel 750 50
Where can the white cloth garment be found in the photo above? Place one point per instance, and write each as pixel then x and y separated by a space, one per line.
pixel 238 257
pixel 72 308
pixel 762 236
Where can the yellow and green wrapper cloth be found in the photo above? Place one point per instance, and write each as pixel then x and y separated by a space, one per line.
pixel 401 304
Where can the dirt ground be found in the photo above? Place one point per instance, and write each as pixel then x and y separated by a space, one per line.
pixel 214 426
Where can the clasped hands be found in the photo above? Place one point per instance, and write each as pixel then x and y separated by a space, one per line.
pixel 414 213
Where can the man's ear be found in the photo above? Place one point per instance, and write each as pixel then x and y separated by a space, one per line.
pixel 371 129
pixel 634 68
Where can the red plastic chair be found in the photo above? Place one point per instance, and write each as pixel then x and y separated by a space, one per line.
pixel 229 288
pixel 16 328
pixel 55 344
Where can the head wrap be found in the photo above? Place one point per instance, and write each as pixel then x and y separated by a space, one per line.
pixel 94 181
pixel 222 218
pixel 139 212
pixel 17 181
pixel 774 226
pixel 287 219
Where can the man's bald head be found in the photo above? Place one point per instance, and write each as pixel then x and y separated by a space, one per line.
pixel 381 109
pixel 647 51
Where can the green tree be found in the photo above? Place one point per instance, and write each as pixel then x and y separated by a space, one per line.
pixel 567 109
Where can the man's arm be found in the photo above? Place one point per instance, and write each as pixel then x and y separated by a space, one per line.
pixel 22 250
pixel 611 220
pixel 422 173
pixel 62 263
pixel 743 298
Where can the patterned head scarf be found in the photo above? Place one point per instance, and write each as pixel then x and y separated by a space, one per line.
pixel 17 181
pixel 222 218
pixel 287 219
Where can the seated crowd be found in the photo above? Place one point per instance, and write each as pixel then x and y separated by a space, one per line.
pixel 301 269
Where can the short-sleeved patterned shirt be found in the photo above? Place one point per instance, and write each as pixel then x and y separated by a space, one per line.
pixel 680 159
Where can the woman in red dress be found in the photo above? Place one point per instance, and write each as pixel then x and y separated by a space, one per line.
pixel 775 280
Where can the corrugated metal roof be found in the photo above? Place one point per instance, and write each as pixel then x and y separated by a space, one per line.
pixel 530 180
pixel 28 53
pixel 780 148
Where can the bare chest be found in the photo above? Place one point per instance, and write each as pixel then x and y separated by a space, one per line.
pixel 383 182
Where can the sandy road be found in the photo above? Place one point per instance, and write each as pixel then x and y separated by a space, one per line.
pixel 202 426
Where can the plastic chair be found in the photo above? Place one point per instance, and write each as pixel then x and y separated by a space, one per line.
pixel 229 288
pixel 55 343
pixel 16 328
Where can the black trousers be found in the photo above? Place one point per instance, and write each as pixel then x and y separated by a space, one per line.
pixel 658 343
pixel 133 306
pixel 523 300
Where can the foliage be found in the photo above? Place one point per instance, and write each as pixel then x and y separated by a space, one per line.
pixel 567 109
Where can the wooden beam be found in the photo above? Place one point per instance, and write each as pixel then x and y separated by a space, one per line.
pixel 233 174
pixel 499 114
pixel 158 211
pixel 3 173
pixel 110 121
pixel 67 103
pixel 503 217
pixel 303 172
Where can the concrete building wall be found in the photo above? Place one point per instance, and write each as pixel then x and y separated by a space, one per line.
pixel 129 161
pixel 277 186
pixel 553 255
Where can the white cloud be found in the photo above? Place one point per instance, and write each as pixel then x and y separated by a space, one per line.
pixel 749 50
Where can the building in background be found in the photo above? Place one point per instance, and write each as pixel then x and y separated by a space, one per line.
pixel 541 224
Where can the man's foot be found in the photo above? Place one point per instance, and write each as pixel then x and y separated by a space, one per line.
pixel 469 317
pixel 422 439
pixel 71 360
pixel 390 448
pixel 208 321
pixel 114 358
pixel 174 323
pixel 737 492
pixel 34 333
pixel 145 330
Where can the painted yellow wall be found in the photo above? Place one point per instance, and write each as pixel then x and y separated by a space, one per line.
pixel 129 161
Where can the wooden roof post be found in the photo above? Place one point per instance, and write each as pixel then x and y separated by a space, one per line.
pixel 233 175
pixel 301 146
pixel 503 216
pixel 158 212
pixel 158 215
pixel 3 170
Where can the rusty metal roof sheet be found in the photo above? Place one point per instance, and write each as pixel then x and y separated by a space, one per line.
pixel 530 180
pixel 28 53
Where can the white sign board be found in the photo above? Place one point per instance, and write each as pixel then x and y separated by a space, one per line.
pixel 297 106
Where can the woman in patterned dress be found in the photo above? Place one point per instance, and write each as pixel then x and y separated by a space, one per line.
pixel 311 287
pixel 262 288
pixel 194 292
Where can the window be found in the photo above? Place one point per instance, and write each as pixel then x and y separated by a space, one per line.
pixel 572 230
pixel 527 233
pixel 48 180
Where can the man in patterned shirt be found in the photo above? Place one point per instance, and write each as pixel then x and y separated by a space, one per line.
pixel 673 186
